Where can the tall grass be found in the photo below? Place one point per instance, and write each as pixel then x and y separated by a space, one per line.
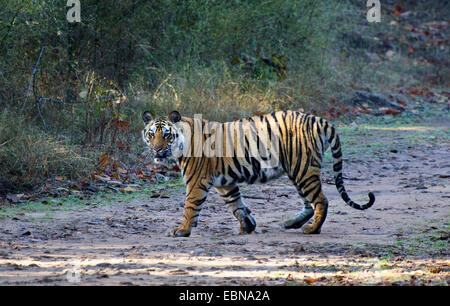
pixel 28 155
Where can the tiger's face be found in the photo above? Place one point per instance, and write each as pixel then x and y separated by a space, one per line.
pixel 163 136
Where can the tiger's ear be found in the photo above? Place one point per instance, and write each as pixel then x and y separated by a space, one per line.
pixel 174 116
pixel 147 117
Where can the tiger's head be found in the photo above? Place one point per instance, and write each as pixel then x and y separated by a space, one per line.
pixel 163 136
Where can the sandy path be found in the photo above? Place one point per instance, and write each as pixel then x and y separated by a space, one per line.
pixel 399 240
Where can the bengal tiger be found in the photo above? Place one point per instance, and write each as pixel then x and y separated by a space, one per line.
pixel 295 144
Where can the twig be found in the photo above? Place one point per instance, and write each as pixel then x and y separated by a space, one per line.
pixel 31 80
pixel 38 104
pixel 9 28
pixel 9 140
pixel 42 99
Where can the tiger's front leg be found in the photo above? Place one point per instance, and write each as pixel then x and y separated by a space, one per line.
pixel 232 197
pixel 195 196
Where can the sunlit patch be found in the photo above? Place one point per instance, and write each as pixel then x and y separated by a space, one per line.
pixel 404 128
pixel 164 267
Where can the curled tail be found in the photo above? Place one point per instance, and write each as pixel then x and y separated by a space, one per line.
pixel 335 144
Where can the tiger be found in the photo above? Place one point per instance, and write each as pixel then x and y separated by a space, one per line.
pixel 296 144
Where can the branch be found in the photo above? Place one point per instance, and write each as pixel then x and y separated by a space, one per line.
pixel 31 80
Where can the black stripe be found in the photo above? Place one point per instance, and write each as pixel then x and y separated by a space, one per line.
pixel 337 167
pixel 198 202
pixel 256 165
pixel 194 209
pixel 232 174
pixel 336 145
pixel 246 173
pixel 337 154
pixel 233 191
pixel 333 132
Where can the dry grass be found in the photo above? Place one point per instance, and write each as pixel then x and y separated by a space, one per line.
pixel 28 155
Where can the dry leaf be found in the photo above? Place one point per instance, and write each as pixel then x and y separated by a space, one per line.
pixel 128 189
pixel 311 280
pixel 103 160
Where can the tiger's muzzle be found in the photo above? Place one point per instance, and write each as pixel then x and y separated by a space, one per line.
pixel 162 153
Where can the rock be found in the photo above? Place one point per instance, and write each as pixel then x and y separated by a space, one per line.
pixel 373 57
pixel 161 178
pixel 374 101
pixel 197 251
pixel 389 54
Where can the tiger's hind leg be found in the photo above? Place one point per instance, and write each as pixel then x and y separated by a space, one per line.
pixel 301 218
pixel 316 204
pixel 232 197
pixel 320 205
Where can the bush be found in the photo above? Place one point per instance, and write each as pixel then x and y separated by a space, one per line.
pixel 28 156
pixel 223 59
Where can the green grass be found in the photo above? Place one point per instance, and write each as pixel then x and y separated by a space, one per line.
pixel 383 134
pixel 426 239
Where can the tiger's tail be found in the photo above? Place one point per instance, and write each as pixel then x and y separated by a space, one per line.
pixel 336 151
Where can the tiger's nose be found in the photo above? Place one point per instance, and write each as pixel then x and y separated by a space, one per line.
pixel 159 151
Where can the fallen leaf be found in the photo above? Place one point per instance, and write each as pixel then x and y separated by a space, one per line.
pixel 311 280
pixel 389 111
pixel 435 270
pixel 115 176
pixel 128 189
pixel 121 170
pixel 103 160
pixel 398 9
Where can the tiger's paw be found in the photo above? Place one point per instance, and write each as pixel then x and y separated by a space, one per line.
pixel 293 223
pixel 177 232
pixel 299 220
pixel 309 229
pixel 248 225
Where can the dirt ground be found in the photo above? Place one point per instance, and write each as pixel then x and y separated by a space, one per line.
pixel 401 240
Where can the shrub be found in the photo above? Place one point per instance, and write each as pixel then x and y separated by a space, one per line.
pixel 28 155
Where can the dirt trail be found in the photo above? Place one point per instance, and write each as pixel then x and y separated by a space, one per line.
pixel 402 239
